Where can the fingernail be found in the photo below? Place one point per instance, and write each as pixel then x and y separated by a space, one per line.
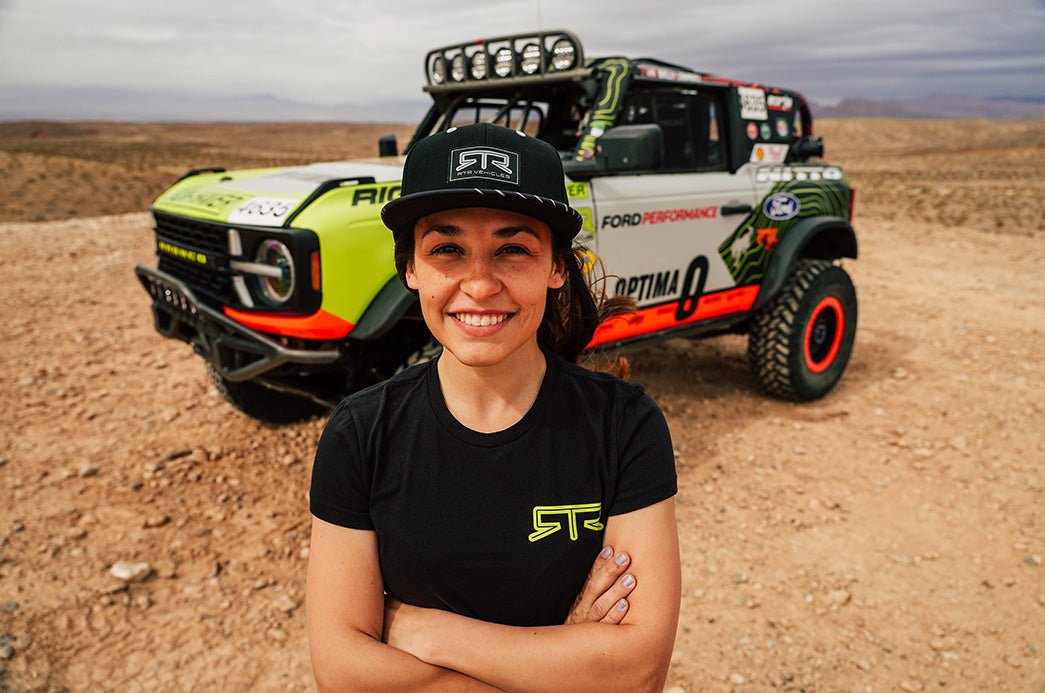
pixel 622 605
pixel 621 559
pixel 628 581
pixel 606 552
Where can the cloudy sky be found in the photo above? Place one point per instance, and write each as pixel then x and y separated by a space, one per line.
pixel 370 53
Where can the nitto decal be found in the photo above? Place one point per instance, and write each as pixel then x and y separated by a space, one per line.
pixel 781 174
pixel 752 104
pixel 647 286
pixel 769 153
pixel 484 162
pixel 216 201
pixel 781 206
pixel 779 102
pixel 264 211
pixel 375 196
pixel 543 526
pixel 183 253
pixel 660 216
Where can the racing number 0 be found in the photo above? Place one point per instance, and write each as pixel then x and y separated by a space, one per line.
pixel 692 288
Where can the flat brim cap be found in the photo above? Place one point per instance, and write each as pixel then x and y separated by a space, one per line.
pixel 483 165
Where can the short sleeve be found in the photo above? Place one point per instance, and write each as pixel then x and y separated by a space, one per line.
pixel 646 466
pixel 340 492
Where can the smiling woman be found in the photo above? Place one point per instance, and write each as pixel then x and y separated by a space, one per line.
pixel 500 517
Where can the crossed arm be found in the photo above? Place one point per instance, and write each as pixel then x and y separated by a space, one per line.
pixel 356 643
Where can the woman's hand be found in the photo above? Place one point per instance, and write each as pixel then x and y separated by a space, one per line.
pixel 604 595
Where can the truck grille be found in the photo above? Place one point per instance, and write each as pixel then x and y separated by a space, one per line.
pixel 213 280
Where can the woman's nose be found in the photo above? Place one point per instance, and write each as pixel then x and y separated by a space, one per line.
pixel 481 280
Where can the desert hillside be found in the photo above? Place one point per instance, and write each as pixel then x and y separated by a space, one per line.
pixel 889 537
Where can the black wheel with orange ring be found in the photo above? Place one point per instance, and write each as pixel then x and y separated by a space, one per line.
pixel 800 343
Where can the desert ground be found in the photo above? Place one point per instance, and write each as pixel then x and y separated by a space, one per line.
pixel 889 537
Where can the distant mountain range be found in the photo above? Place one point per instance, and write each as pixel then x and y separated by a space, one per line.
pixel 85 103
pixel 933 106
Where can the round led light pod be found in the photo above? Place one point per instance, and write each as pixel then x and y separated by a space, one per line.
pixel 564 54
pixel 503 62
pixel 531 59
pixel 457 68
pixel 439 70
pixel 480 65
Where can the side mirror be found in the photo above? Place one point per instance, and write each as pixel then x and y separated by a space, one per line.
pixel 806 148
pixel 621 149
pixel 387 145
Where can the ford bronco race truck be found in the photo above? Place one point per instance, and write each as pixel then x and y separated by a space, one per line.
pixel 702 197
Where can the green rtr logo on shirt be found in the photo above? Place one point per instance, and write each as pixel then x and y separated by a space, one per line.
pixel 548 519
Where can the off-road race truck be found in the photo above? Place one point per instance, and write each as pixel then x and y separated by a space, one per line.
pixel 698 194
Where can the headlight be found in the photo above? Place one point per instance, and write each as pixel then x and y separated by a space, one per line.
pixel 564 54
pixel 439 70
pixel 531 58
pixel 276 290
pixel 503 62
pixel 457 68
pixel 479 65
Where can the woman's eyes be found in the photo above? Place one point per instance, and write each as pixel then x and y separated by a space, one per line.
pixel 452 249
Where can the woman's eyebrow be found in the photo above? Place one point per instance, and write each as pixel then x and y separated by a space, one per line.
pixel 509 231
pixel 443 230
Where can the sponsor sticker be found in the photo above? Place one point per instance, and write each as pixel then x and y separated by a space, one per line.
pixel 375 195
pixel 576 190
pixel 484 162
pixel 183 253
pixel 781 206
pixel 782 128
pixel 752 104
pixel 659 216
pixel 767 237
pixel 206 199
pixel 779 102
pixel 769 153
pixel 263 211
pixel 764 131
pixel 783 174
pixel 752 131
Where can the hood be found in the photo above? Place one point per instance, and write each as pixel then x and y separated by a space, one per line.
pixel 267 197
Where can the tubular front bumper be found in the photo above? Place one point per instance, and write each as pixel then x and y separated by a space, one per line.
pixel 238 352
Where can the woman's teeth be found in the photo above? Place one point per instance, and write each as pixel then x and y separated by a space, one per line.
pixel 480 320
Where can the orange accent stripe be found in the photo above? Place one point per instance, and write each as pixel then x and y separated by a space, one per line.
pixel 662 317
pixel 319 325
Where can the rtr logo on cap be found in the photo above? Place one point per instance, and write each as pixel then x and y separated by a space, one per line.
pixel 484 162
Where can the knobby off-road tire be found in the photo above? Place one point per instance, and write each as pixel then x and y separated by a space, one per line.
pixel 801 340
pixel 263 404
pixel 430 350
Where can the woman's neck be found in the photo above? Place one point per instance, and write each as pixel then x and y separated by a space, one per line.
pixel 488 399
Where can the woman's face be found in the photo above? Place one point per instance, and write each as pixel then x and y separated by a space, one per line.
pixel 482 276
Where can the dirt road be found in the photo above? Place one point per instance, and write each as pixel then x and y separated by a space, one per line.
pixel 888 537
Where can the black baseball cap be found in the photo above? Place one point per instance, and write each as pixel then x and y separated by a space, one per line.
pixel 483 165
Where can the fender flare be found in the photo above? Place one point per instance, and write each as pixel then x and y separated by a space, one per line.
pixel 823 237
pixel 390 304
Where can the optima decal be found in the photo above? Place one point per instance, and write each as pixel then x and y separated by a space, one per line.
pixel 646 286
pixel 183 253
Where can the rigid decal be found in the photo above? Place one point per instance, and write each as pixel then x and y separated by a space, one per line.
pixel 548 519
pixel 752 104
pixel 769 153
pixel 781 206
pixel 659 216
pixel 264 211
pixel 484 162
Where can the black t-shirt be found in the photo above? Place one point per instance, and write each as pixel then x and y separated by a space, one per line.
pixel 501 526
